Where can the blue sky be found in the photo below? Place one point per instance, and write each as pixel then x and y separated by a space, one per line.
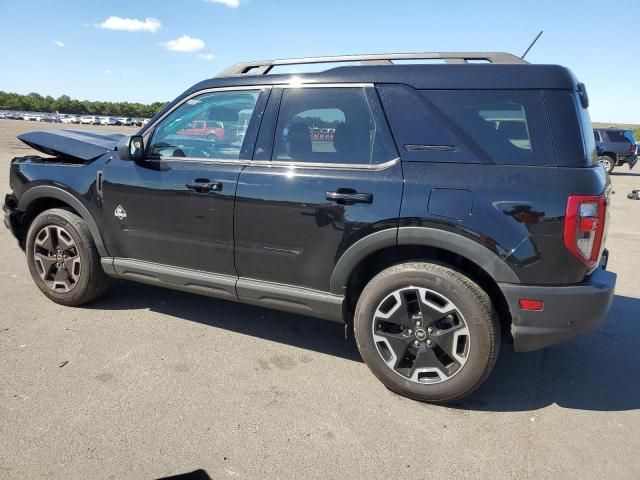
pixel 86 49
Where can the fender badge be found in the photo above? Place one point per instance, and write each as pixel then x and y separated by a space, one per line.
pixel 120 213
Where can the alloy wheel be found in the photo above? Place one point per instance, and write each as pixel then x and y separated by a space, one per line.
pixel 605 162
pixel 57 258
pixel 421 335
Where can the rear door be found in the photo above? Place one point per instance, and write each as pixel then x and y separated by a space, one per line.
pixel 325 174
pixel 175 208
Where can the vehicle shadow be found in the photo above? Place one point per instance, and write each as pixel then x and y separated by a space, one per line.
pixel 195 475
pixel 598 371
pixel 296 330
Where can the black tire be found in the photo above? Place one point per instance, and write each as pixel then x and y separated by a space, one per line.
pixel 477 313
pixel 607 163
pixel 91 280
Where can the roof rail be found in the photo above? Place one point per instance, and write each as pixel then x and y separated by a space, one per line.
pixel 263 67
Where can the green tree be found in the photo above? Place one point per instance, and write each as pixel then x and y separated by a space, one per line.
pixel 65 104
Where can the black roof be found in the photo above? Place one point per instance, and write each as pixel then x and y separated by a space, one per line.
pixel 438 76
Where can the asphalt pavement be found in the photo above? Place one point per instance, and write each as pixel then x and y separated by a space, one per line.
pixel 148 383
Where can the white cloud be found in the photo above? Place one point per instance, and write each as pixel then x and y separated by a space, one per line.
pixel 185 43
pixel 228 3
pixel 58 43
pixel 206 56
pixel 131 24
pixel 107 72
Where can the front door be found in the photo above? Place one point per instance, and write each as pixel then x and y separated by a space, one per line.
pixel 175 208
pixel 325 173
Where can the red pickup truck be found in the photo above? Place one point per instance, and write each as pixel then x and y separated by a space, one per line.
pixel 211 130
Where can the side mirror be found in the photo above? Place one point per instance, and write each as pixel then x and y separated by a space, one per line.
pixel 131 148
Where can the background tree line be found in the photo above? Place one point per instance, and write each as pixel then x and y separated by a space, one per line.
pixel 34 102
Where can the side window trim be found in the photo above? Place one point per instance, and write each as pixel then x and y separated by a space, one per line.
pixel 249 139
pixel 265 142
pixel 266 136
pixel 384 129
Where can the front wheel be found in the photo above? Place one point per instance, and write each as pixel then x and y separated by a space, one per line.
pixel 606 162
pixel 427 331
pixel 63 259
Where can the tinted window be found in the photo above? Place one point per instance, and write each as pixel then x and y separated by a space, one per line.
pixel 620 136
pixel 327 125
pixel 510 127
pixel 211 125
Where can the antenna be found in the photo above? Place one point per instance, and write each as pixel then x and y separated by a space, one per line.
pixel 532 44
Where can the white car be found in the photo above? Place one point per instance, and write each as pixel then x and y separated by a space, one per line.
pixel 109 121
pixel 125 121
pixel 68 119
pixel 89 120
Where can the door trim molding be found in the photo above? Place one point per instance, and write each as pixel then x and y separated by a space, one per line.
pixel 184 279
pixel 289 298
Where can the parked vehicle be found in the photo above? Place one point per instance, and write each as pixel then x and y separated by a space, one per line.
pixel 125 121
pixel 110 121
pixel 89 120
pixel 70 119
pixel 211 130
pixel 615 147
pixel 431 208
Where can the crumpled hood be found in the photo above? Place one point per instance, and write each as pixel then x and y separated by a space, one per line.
pixel 80 144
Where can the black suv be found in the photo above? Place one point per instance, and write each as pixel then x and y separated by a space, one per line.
pixel 431 208
pixel 615 147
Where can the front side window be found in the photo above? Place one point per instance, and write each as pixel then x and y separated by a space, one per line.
pixel 210 125
pixel 327 125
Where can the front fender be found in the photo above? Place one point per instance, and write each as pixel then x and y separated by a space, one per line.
pixel 50 191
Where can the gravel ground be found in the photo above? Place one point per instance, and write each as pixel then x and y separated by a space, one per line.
pixel 147 383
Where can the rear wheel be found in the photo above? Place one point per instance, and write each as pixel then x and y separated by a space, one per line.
pixel 63 259
pixel 427 331
pixel 607 163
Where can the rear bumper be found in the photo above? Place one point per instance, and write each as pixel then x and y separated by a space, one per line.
pixel 568 311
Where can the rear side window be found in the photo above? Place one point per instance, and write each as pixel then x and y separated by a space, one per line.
pixel 329 125
pixel 620 136
pixel 508 127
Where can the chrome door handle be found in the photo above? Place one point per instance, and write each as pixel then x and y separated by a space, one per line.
pixel 347 196
pixel 203 186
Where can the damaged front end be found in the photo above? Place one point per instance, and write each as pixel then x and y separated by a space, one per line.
pixel 72 145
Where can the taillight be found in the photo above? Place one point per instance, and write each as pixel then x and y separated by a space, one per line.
pixel 584 227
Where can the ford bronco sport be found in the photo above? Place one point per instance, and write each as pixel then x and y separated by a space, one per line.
pixel 431 208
